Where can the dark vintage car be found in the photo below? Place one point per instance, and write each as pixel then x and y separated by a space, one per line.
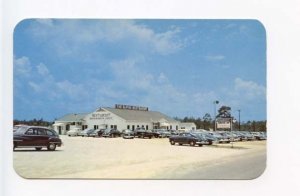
pixel 36 137
pixel 97 133
pixel 187 138
pixel 111 133
pixel 143 133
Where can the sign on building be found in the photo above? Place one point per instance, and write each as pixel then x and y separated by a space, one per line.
pixel 131 107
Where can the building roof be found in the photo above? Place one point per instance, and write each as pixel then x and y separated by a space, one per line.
pixel 72 117
pixel 137 115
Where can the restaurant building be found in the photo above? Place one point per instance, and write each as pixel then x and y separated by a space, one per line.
pixel 120 117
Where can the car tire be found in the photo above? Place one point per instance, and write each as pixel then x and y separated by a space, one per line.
pixel 200 145
pixel 51 147
pixel 180 144
pixel 192 143
pixel 172 142
pixel 38 148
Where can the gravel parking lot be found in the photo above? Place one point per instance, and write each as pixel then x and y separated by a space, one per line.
pixel 118 158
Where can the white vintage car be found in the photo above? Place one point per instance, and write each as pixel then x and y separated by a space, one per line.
pixel 74 132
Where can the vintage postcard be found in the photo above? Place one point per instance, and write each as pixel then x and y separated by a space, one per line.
pixel 139 99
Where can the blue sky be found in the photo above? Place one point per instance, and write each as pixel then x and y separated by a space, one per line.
pixel 177 67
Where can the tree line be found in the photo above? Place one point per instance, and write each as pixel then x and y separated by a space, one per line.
pixel 208 124
pixel 33 122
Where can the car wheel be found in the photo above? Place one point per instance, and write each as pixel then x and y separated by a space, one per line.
pixel 192 143
pixel 172 142
pixel 51 146
pixel 180 144
pixel 210 143
pixel 200 145
pixel 38 148
pixel 69 135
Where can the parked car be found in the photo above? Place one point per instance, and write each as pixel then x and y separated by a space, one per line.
pixel 111 133
pixel 259 136
pixel 143 133
pixel 163 133
pixel 36 137
pixel 74 132
pixel 174 132
pixel 97 133
pixel 220 138
pixel 248 136
pixel 187 138
pixel 127 134
pixel 208 138
pixel 86 132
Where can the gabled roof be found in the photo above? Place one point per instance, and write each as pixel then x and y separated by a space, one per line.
pixel 137 115
pixel 72 117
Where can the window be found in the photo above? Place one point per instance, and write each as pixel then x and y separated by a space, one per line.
pixel 50 132
pixel 111 126
pixel 30 132
pixel 96 127
pixel 146 127
pixel 142 126
pixel 176 127
pixel 170 126
pixel 138 126
pixel 128 126
pixel 41 132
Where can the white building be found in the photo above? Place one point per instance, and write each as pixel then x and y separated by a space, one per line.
pixel 121 117
pixel 187 126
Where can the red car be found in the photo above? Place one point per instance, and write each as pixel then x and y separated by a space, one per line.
pixel 36 137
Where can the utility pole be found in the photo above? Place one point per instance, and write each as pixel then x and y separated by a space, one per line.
pixel 215 108
pixel 239 119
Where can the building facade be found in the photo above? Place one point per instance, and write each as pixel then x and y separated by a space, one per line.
pixel 120 117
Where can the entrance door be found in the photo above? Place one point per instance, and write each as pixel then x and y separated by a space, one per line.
pixel 59 130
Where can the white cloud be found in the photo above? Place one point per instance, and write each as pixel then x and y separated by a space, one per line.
pixel 36 87
pixel 75 91
pixel 22 66
pixel 249 89
pixel 67 36
pixel 42 69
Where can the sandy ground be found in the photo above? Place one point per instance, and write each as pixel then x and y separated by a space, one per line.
pixel 118 158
